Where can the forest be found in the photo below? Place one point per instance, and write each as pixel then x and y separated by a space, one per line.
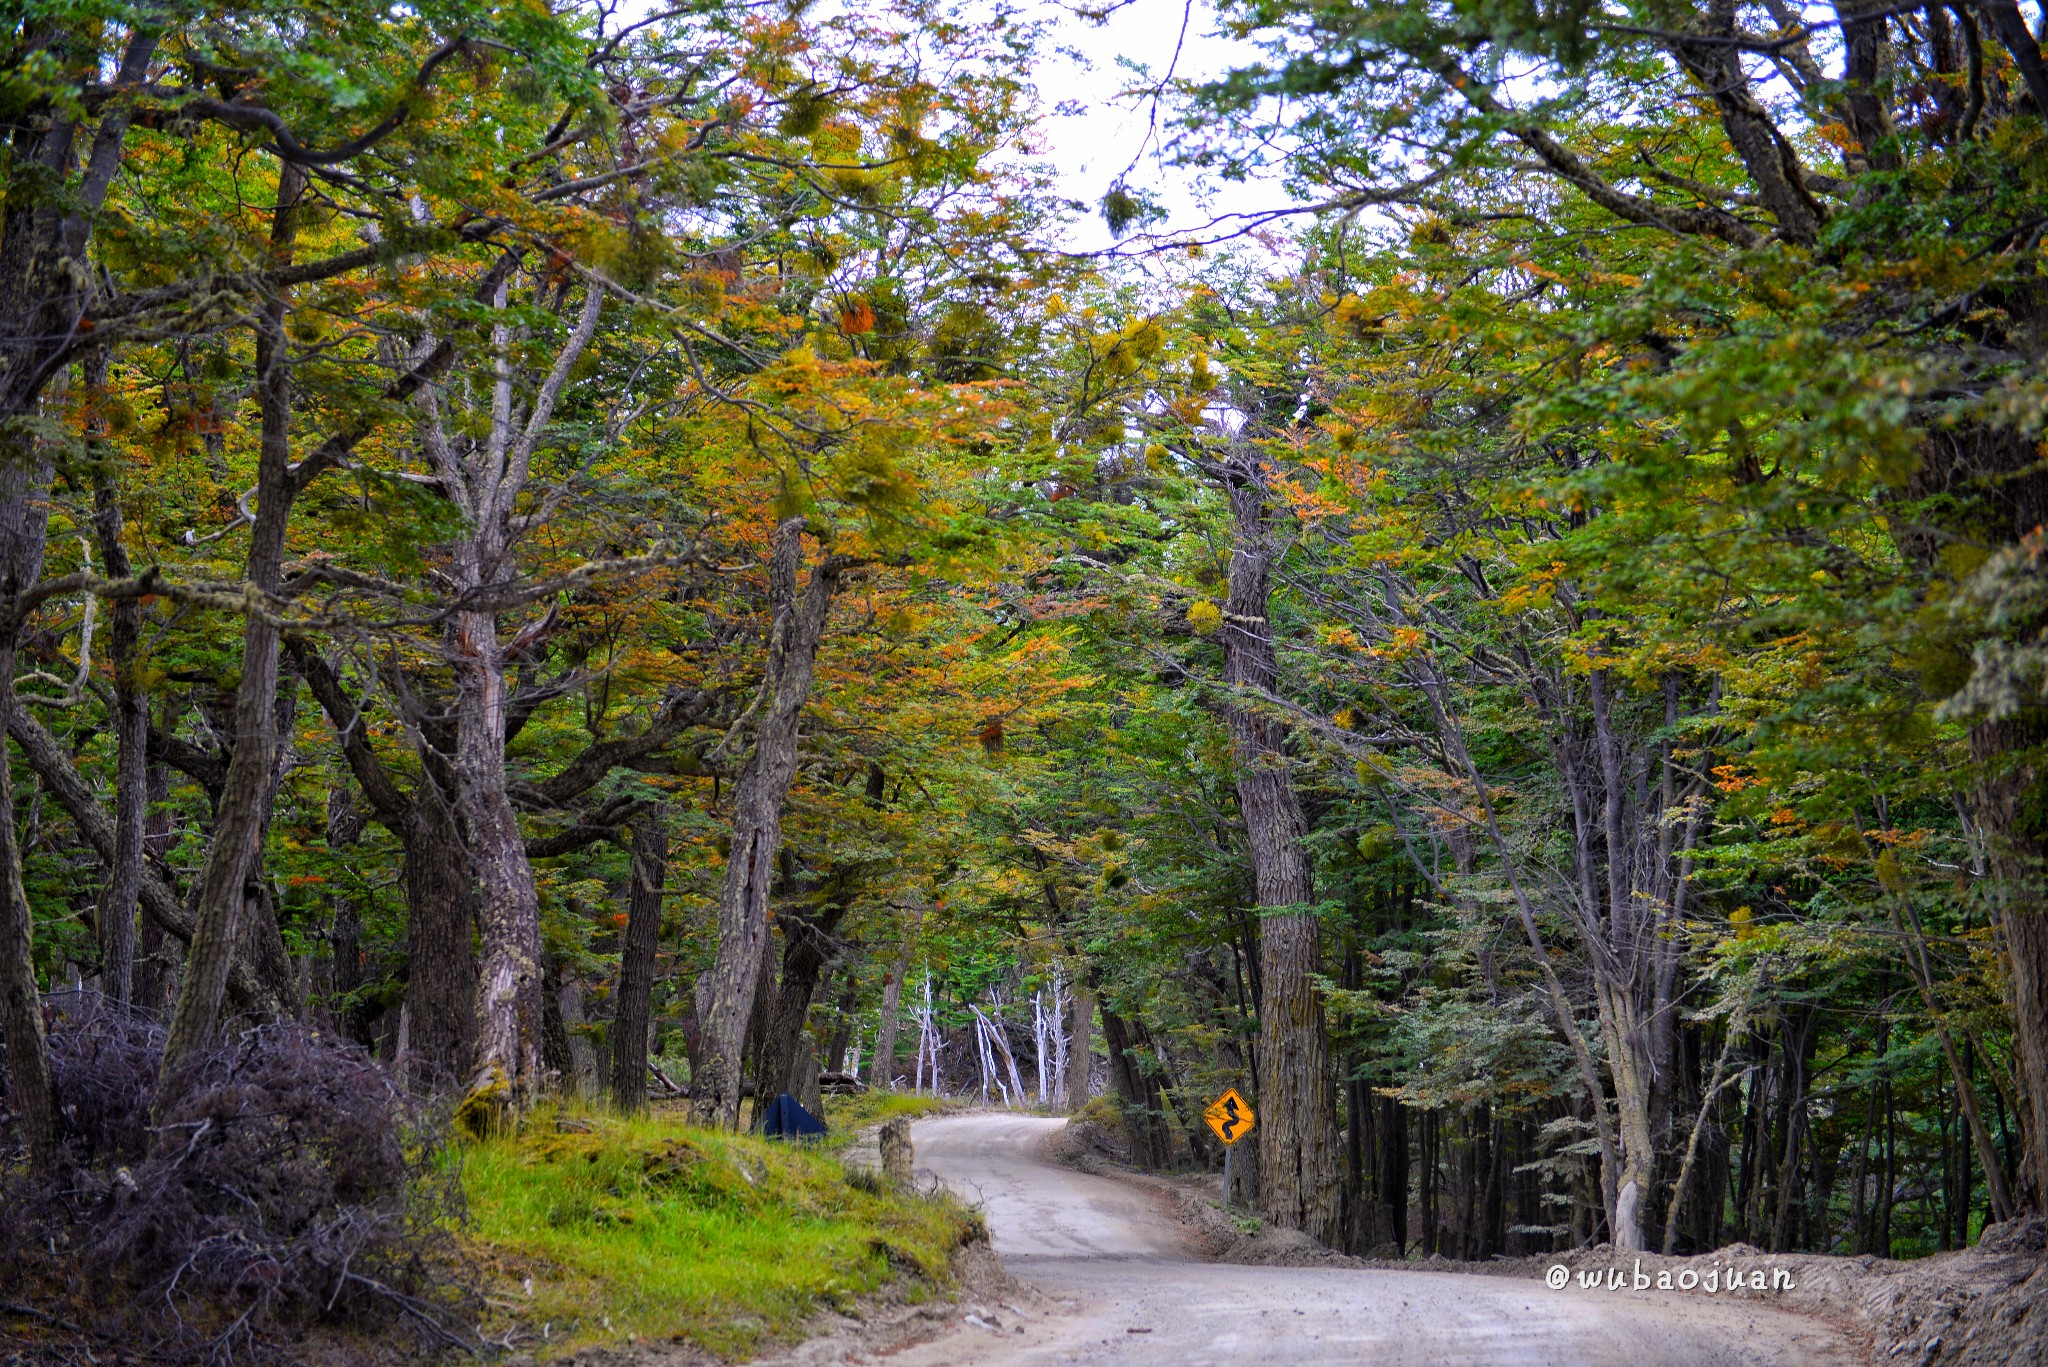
pixel 553 549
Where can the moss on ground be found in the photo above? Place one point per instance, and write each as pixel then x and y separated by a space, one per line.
pixel 655 1229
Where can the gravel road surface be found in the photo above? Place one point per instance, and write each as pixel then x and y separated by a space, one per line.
pixel 1119 1285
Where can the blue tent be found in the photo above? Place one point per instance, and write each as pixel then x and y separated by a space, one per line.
pixel 787 1119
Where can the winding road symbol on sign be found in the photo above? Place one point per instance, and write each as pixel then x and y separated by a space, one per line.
pixel 1230 1116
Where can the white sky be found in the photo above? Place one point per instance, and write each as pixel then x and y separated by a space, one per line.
pixel 1102 133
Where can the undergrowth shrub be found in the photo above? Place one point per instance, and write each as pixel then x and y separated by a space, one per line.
pixel 288 1183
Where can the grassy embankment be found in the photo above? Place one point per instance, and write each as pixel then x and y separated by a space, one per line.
pixel 657 1230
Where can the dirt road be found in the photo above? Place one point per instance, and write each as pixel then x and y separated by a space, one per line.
pixel 1120 1286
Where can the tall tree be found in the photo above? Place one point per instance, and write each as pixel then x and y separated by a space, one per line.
pixel 483 468
pixel 22 532
pixel 1300 1186
pixel 120 900
pixel 232 859
pixel 770 730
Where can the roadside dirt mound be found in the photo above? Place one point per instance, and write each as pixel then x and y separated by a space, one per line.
pixel 1216 1231
pixel 1283 1248
pixel 1983 1307
pixel 1224 1238
pixel 1091 1141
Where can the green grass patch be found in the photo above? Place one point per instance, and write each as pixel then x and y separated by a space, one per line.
pixel 849 1115
pixel 653 1228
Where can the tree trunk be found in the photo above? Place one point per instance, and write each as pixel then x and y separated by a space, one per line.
pixel 121 895
pixel 1628 1065
pixel 484 472
pixel 725 994
pixel 21 1004
pixel 806 948
pixel 808 1091
pixel 345 935
pixel 2012 803
pixel 882 1067
pixel 1299 1183
pixel 233 856
pixel 2011 27
pixel 345 944
pixel 583 1070
pixel 1138 1089
pixel 262 939
pixel 843 1023
pixel 23 529
pixel 1993 483
pixel 508 1066
pixel 46 221
pixel 882 1072
pixel 759 1019
pixel 440 928
pixel 554 1032
pixel 156 970
pixel 636 962
pixel 1081 1053
pixel 1798 1035
pixel 1392 1179
pixel 440 901
pixel 45 225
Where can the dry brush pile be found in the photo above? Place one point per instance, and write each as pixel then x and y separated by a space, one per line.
pixel 284 1184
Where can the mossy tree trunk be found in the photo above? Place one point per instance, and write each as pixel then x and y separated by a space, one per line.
pixel 725 994
pixel 233 857
pixel 1299 1180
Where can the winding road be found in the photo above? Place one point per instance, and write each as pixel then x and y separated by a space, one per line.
pixel 1119 1285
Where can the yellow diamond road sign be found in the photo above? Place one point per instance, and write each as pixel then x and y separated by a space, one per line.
pixel 1230 1116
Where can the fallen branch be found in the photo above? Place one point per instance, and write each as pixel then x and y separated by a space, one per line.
pixel 43 1316
pixel 666 1080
